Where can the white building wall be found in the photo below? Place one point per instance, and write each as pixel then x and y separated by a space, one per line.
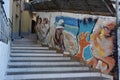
pixel 4 56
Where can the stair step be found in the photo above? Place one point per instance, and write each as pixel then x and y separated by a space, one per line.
pixel 24 43
pixel 81 76
pixel 42 70
pixel 42 63
pixel 36 54
pixel 19 48
pixel 38 66
pixel 38 58
pixel 24 39
pixel 32 51
pixel 28 45
pixel 71 78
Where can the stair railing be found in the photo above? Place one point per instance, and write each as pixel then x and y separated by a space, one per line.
pixel 5 27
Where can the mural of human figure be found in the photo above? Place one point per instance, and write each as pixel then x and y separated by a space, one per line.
pixel 42 29
pixel 45 30
pixel 100 45
pixel 59 37
pixel 38 29
pixel 102 48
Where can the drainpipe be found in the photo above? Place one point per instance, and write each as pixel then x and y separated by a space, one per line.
pixel 118 32
pixel 117 13
pixel 20 20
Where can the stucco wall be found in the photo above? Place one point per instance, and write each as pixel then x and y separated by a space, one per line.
pixel 15 18
pixel 26 22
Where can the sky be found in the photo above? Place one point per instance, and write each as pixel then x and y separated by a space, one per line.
pixel 6 7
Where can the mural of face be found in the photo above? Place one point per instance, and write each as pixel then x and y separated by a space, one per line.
pixel 60 30
pixel 39 20
pixel 106 30
pixel 45 21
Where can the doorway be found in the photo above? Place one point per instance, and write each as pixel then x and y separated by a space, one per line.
pixel 33 26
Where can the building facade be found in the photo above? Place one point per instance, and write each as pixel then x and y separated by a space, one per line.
pixel 20 17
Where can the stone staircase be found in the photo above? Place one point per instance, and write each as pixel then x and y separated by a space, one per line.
pixel 30 61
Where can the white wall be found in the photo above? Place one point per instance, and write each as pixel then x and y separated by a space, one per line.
pixel 4 56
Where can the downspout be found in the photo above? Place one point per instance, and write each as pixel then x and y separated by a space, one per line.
pixel 117 13
pixel 118 32
pixel 0 17
pixel 20 20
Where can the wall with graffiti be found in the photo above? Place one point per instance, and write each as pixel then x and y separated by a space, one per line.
pixel 88 37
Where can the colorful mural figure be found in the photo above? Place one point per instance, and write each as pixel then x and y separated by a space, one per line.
pixel 70 33
pixel 102 47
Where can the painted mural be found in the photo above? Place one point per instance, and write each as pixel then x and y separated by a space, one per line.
pixel 42 29
pixel 92 40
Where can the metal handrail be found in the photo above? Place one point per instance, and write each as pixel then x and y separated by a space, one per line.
pixel 3 34
pixel 11 26
pixel 5 27
pixel 6 38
